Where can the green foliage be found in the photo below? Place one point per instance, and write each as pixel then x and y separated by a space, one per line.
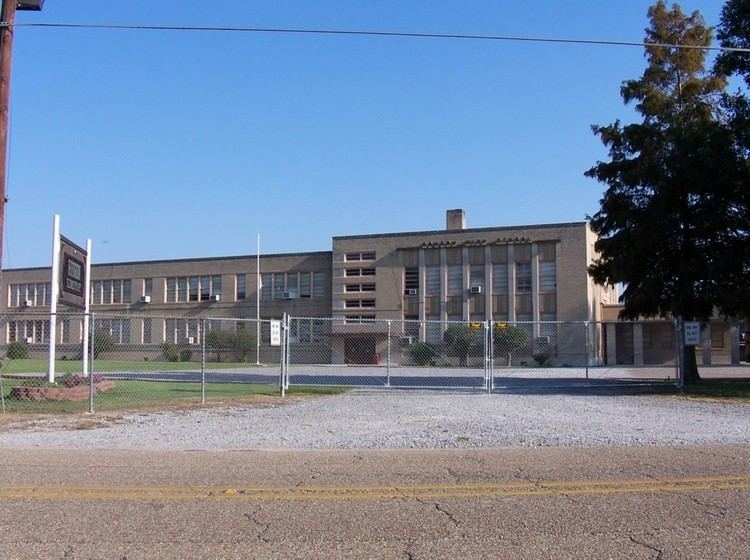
pixel 508 340
pixel 422 353
pixel 185 355
pixel 673 223
pixel 244 344
pixel 17 350
pixel 219 343
pixel 103 342
pixel 542 359
pixel 460 339
pixel 170 351
pixel 241 344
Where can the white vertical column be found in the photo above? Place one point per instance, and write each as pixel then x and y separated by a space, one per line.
pixel 488 289
pixel 86 309
pixel 257 302
pixel 55 292
pixel 511 284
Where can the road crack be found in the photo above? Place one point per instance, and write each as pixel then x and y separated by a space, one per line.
pixel 659 552
pixel 262 528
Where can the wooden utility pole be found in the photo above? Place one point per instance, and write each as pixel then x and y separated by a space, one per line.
pixel 6 50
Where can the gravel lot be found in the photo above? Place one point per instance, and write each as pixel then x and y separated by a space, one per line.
pixel 380 420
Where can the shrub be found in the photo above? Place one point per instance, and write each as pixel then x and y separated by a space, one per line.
pixel 460 339
pixel 244 344
pixel 17 351
pixel 185 355
pixel 103 342
pixel 170 351
pixel 219 342
pixel 422 353
pixel 542 359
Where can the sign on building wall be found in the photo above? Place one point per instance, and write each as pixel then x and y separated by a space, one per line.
pixel 72 273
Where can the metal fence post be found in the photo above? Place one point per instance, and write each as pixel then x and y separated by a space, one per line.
pixel 203 361
pixel 488 356
pixel 680 380
pixel 586 356
pixel 288 352
pixel 92 353
pixel 388 357
pixel 282 361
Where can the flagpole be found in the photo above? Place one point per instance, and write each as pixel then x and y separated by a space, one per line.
pixel 55 292
pixel 257 303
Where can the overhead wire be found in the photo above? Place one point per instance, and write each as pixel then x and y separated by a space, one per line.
pixel 372 33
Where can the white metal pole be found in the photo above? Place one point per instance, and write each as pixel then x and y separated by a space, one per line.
pixel 53 296
pixel 86 309
pixel 257 304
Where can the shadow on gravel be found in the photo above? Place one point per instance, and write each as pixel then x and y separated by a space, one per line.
pixel 614 388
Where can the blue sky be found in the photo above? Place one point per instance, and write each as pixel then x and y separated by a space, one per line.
pixel 161 145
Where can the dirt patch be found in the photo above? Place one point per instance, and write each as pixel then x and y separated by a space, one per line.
pixel 55 422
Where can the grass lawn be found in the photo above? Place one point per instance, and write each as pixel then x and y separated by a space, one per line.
pixel 135 394
pixel 74 366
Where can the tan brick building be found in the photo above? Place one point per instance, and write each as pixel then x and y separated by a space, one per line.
pixel 530 273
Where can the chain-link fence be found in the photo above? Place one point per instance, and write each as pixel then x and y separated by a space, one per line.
pixel 132 360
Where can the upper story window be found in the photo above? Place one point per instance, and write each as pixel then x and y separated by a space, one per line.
pixel 455 280
pixel 293 285
pixel 107 292
pixel 500 278
pixel 359 288
pixel 240 287
pixel 411 281
pixel 523 277
pixel 355 272
pixel 547 277
pixel 432 275
pixel 193 288
pixel 28 295
pixel 359 257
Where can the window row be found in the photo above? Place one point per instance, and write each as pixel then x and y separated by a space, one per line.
pixel 293 285
pixel 359 257
pixel 30 295
pixel 193 288
pixel 477 280
pixel 356 288
pixel 105 292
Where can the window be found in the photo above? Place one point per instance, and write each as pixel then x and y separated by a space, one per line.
pixel 304 285
pixel 193 288
pixel 291 285
pixel 355 272
pixel 411 281
pixel 349 288
pixel 432 278
pixel 205 288
pixel 500 279
pixel 148 287
pixel 171 289
pixel 358 319
pixel 278 285
pixel 357 303
pixel 118 329
pixel 358 257
pixel 240 284
pixel 455 280
pixel 319 285
pixel 32 332
pixel 476 275
pixel 147 327
pixel 182 331
pixel 182 289
pixel 267 286
pixel 523 277
pixel 547 277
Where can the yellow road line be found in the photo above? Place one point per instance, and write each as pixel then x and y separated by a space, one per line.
pixel 372 492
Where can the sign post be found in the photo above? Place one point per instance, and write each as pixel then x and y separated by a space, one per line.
pixel 70 286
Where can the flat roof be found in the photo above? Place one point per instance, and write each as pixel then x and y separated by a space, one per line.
pixel 467 230
pixel 186 260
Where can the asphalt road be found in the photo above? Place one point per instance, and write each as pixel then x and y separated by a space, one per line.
pixel 629 503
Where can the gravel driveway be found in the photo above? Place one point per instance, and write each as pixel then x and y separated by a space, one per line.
pixel 381 420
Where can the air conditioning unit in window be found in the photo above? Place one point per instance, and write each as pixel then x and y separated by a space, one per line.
pixel 543 339
pixel 411 292
pixel 406 340
pixel 190 340
pixel 145 299
pixel 216 297
pixel 289 295
pixel 476 289
pixel 29 340
pixel 27 303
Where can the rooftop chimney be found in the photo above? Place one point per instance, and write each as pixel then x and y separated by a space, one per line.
pixel 455 219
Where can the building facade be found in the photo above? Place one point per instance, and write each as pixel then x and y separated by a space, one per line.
pixel 422 280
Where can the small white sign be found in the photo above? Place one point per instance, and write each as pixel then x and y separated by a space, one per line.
pixel 692 333
pixel 275 333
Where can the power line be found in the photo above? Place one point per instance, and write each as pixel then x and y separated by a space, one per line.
pixel 366 33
